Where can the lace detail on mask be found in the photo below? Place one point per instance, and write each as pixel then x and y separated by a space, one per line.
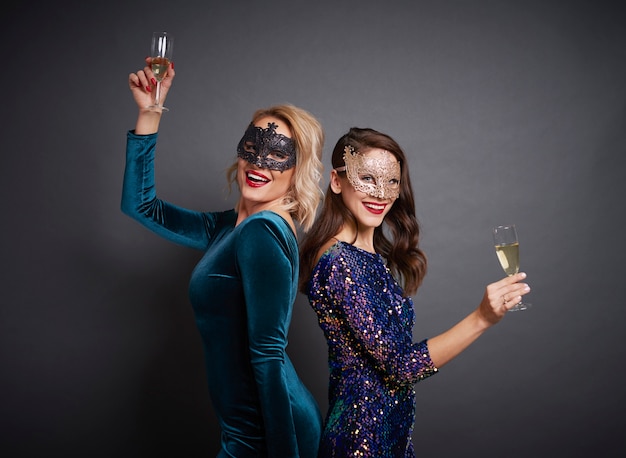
pixel 266 149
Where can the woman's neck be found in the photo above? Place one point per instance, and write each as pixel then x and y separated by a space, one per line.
pixel 363 239
pixel 244 210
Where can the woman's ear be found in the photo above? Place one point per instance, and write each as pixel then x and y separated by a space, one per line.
pixel 335 182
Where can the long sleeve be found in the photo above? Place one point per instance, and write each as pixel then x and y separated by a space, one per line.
pixel 362 296
pixel 267 257
pixel 139 199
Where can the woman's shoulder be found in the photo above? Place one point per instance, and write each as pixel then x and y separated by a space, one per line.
pixel 268 224
pixel 342 265
pixel 266 217
pixel 336 252
pixel 326 248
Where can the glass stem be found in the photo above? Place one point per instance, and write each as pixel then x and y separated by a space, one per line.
pixel 157 99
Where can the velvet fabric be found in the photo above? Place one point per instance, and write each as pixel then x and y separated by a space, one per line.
pixel 242 292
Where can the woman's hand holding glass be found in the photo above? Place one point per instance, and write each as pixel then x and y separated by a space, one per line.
pixel 143 85
pixel 501 296
pixel 149 88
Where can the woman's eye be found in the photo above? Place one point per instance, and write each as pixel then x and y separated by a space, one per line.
pixel 394 182
pixel 249 147
pixel 367 178
pixel 278 156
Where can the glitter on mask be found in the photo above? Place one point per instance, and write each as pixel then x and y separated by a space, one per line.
pixel 374 176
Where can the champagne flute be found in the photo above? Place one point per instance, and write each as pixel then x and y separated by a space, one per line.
pixel 507 250
pixel 161 52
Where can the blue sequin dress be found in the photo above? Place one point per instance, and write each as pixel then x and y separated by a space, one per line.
pixel 373 361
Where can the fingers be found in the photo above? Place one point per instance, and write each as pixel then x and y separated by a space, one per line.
pixel 515 291
pixel 133 80
pixel 512 295
pixel 143 84
pixel 139 79
pixel 168 75
pixel 510 300
pixel 514 278
pixel 504 294
pixel 146 74
pixel 507 283
pixel 149 74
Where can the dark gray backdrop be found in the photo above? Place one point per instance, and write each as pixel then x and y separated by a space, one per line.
pixel 510 111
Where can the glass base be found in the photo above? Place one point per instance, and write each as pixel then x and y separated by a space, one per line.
pixel 158 108
pixel 520 306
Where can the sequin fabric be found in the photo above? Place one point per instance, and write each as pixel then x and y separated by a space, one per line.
pixel 372 358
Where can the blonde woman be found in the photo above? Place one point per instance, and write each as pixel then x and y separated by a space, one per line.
pixel 243 288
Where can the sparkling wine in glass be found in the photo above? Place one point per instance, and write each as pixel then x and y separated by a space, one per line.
pixel 507 250
pixel 161 51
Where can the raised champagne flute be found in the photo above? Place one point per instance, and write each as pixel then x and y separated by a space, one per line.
pixel 507 250
pixel 161 52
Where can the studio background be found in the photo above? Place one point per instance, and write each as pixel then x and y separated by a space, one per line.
pixel 509 111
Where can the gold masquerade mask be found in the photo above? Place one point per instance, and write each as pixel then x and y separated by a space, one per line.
pixel 375 176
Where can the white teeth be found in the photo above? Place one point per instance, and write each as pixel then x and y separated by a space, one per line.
pixel 375 206
pixel 254 177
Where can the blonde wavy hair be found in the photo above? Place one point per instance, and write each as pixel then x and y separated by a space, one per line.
pixel 305 194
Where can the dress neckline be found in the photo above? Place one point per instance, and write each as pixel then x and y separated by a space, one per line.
pixel 355 248
pixel 265 212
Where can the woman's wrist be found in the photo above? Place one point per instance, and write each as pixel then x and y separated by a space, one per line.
pixel 147 121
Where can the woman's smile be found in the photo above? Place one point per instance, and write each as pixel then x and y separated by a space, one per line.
pixel 375 207
pixel 256 179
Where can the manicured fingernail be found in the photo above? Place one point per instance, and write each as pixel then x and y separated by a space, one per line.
pixel 153 81
pixel 148 88
pixel 172 64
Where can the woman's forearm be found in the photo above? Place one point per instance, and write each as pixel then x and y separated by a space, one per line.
pixel 449 344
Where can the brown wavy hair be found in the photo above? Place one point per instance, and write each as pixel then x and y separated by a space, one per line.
pixel 397 239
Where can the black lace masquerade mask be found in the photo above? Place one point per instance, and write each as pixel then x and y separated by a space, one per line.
pixel 267 149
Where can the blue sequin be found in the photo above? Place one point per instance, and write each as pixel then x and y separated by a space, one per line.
pixel 373 361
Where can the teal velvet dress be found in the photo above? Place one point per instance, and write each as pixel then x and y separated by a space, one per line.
pixel 242 292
